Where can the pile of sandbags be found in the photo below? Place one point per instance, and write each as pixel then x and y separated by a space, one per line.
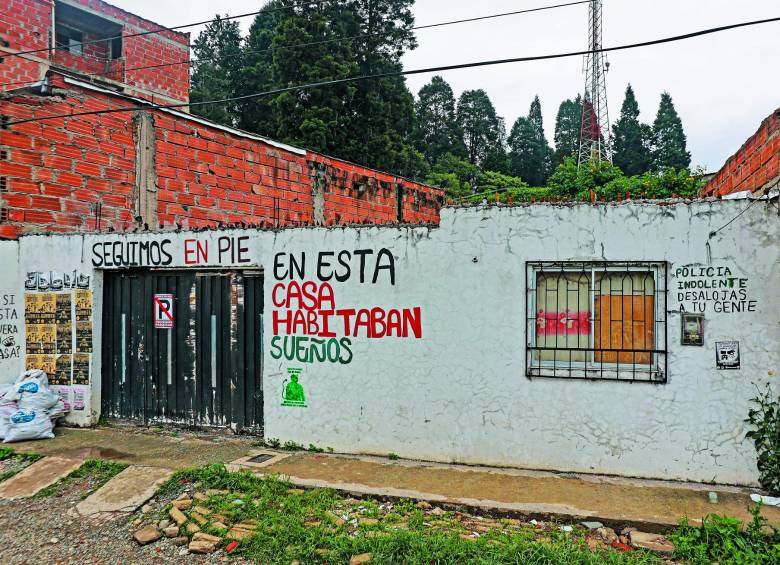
pixel 29 407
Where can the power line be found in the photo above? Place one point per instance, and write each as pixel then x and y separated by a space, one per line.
pixel 308 86
pixel 162 29
pixel 322 42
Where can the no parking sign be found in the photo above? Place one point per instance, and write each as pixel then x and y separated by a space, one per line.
pixel 163 310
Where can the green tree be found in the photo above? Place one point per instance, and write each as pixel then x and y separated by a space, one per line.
pixel 436 128
pixel 568 124
pixel 455 175
pixel 216 69
pixel 669 141
pixel 530 156
pixel 381 111
pixel 481 127
pixel 259 114
pixel 631 140
pixel 317 118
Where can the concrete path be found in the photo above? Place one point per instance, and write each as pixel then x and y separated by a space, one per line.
pixel 646 504
pixel 38 476
pixel 125 492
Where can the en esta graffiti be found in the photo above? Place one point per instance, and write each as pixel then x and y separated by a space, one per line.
pixel 9 327
pixel 307 324
pixel 702 287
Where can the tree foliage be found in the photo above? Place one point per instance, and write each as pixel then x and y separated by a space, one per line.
pixel 530 156
pixel 568 124
pixel 216 69
pixel 436 131
pixel 669 142
pixel 631 140
pixel 482 128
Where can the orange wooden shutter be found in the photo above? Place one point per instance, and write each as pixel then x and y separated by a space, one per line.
pixel 626 323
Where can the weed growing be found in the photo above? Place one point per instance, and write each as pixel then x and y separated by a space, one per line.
pixel 97 471
pixel 12 462
pixel 320 525
pixel 723 539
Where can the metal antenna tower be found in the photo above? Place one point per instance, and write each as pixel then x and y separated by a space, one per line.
pixel 594 135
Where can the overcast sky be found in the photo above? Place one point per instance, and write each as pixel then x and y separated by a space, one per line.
pixel 723 85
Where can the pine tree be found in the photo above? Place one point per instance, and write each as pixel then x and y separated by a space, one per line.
pixel 259 114
pixel 568 123
pixel 530 155
pixel 381 111
pixel 631 144
pixel 216 69
pixel 480 125
pixel 317 118
pixel 669 141
pixel 436 128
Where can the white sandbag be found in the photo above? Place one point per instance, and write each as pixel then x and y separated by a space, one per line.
pixel 38 401
pixel 28 382
pixel 28 425
pixel 59 409
pixel 7 409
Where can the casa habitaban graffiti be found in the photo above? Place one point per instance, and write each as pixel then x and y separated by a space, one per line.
pixel 307 324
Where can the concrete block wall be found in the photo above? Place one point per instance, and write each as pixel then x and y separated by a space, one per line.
pixel 82 173
pixel 755 166
pixel 27 25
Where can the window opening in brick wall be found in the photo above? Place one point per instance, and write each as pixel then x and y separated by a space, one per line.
pixel 3 184
pixel 73 27
pixel 596 320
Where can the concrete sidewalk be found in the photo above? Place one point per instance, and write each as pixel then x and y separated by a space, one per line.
pixel 647 504
pixel 650 505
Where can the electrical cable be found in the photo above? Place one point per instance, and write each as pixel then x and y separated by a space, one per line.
pixel 332 82
pixel 191 62
pixel 745 209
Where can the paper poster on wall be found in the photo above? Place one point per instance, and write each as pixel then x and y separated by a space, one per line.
pixel 727 354
pixel 84 337
pixel 64 393
pixel 46 363
pixel 62 370
pixel 292 391
pixel 80 397
pixel 81 364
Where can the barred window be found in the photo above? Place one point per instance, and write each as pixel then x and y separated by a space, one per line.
pixel 591 320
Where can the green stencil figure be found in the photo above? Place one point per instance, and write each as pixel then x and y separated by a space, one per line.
pixel 293 391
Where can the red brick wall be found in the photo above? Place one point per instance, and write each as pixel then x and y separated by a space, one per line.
pixel 755 166
pixel 58 172
pixel 26 25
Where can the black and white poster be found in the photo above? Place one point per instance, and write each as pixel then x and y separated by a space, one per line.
pixel 727 354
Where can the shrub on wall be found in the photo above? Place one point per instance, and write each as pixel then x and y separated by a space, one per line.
pixel 608 182
pixel 764 420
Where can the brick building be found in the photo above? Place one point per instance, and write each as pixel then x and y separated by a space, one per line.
pixel 755 167
pixel 152 168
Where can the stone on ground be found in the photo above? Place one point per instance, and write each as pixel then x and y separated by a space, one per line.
pixel 171 531
pixel 192 528
pixel 202 547
pixel 38 476
pixel 607 535
pixel 147 535
pixel 200 536
pixel 182 504
pixel 125 492
pixel 178 516
pixel 592 525
pixel 651 542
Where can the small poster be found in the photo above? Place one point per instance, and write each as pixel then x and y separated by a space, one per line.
pixel 84 337
pixel 727 354
pixel 79 397
pixel 163 310
pixel 61 370
pixel 81 362
pixel 46 363
pixel 692 329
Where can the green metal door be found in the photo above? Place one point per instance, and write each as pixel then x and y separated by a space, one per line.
pixel 205 370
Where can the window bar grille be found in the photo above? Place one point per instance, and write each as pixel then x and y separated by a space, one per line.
pixel 620 335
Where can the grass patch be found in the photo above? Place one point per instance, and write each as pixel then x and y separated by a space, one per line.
pixel 97 471
pixel 320 525
pixel 14 462
pixel 726 540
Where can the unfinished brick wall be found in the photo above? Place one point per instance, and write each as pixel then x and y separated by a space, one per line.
pixel 755 166
pixel 87 173
pixel 27 25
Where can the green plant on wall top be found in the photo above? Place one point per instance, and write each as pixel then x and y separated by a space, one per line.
pixel 764 420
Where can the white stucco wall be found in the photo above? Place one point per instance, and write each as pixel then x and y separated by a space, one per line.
pixel 459 393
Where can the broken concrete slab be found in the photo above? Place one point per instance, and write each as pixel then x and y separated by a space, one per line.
pixel 38 476
pixel 126 492
pixel 651 542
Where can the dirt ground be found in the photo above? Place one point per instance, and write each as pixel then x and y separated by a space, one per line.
pixel 43 531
